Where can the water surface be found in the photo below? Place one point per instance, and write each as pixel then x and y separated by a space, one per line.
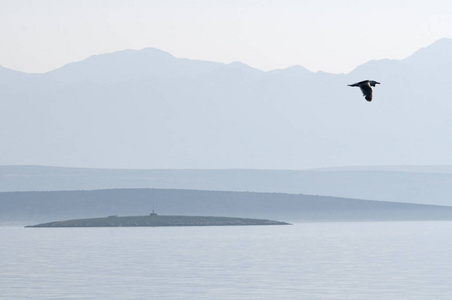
pixel 361 260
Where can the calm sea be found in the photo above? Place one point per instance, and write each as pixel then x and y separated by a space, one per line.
pixel 385 260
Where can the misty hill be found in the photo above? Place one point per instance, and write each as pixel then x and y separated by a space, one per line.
pixel 149 109
pixel 414 184
pixel 412 169
pixel 37 207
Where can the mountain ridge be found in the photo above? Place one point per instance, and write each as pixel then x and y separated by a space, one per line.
pixel 427 50
pixel 182 113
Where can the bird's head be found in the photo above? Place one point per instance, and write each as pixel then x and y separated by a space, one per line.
pixel 373 82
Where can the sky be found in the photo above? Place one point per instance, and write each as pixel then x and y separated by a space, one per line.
pixel 321 35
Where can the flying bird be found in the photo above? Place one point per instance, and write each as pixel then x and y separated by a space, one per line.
pixel 365 87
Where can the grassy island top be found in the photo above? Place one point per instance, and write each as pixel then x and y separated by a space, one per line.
pixel 154 220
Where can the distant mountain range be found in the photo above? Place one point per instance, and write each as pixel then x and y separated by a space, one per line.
pixel 149 109
pixel 32 207
pixel 412 184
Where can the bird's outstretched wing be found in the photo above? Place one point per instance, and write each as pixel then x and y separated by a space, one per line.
pixel 367 91
pixel 359 83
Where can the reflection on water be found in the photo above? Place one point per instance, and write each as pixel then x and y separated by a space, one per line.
pixel 386 260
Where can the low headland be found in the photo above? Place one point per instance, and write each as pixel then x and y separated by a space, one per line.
pixel 154 220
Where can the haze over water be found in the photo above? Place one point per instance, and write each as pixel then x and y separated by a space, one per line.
pixel 367 260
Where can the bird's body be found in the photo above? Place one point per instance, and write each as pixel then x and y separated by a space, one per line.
pixel 366 88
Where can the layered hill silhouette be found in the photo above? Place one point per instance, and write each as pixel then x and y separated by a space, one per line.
pixel 149 109
pixel 34 207
pixel 412 184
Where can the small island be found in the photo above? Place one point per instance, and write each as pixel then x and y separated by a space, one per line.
pixel 154 220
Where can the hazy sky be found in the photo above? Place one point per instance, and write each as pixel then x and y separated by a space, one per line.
pixel 326 35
